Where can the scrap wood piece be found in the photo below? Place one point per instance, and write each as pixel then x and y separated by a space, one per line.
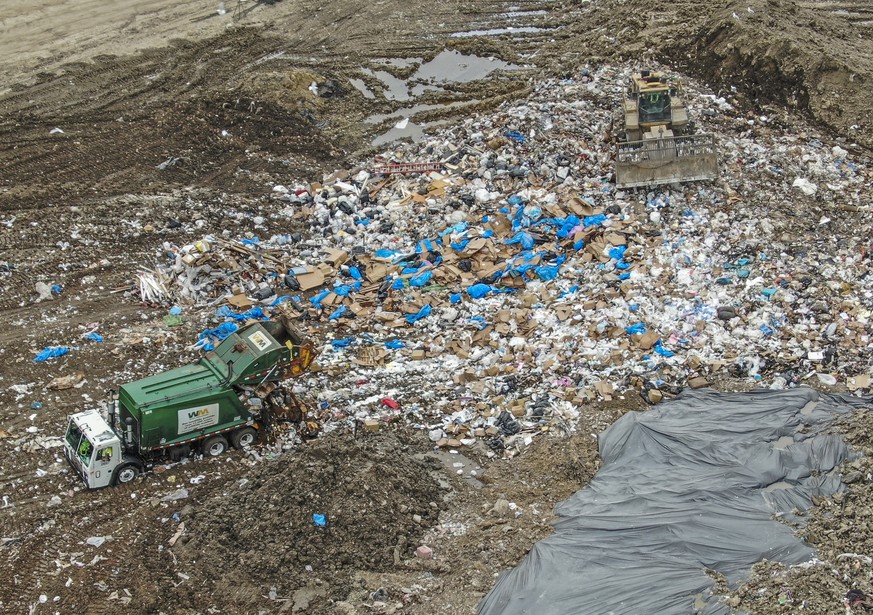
pixel 378 187
pixel 244 249
pixel 152 288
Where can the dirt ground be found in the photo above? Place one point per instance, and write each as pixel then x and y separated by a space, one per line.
pixel 170 117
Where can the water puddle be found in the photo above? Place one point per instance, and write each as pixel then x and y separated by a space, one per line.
pixel 362 88
pixel 448 66
pixel 455 66
pixel 399 62
pixel 514 12
pixel 461 466
pixel 420 88
pixel 411 111
pixel 395 88
pixel 498 31
pixel 401 130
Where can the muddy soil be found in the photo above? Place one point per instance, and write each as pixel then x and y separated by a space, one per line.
pixel 121 128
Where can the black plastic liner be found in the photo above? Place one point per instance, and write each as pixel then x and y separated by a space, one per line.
pixel 689 486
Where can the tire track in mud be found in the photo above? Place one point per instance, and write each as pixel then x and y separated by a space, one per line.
pixel 44 546
pixel 115 140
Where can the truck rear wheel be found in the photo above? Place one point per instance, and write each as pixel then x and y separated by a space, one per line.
pixel 244 437
pixel 214 446
pixel 125 473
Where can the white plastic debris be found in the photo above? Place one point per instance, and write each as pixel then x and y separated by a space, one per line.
pixel 807 187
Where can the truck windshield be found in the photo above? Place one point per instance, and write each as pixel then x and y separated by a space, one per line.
pixel 79 443
pixel 655 107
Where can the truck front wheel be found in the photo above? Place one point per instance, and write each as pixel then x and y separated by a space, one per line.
pixel 126 473
pixel 214 446
pixel 244 437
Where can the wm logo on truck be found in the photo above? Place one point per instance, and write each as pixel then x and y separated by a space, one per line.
pixel 194 419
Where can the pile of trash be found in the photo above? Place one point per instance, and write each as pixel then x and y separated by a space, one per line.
pixel 492 299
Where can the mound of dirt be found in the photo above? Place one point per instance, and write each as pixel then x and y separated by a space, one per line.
pixel 779 52
pixel 812 57
pixel 260 533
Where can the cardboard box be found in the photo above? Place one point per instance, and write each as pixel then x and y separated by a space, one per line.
pixel 335 258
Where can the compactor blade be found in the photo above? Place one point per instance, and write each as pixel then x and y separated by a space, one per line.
pixel 665 161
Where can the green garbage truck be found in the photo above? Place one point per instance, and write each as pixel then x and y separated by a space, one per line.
pixel 205 407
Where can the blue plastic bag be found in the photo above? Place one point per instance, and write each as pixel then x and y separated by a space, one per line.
pixel 317 299
pixel 226 312
pixel 547 272
pixel 427 245
pixel 319 520
pixel 477 291
pixel 94 337
pixel 342 309
pixel 221 332
pixel 458 228
pixel 522 237
pixel 342 343
pixel 421 279
pixel 596 220
pixel 456 298
pixel 355 273
pixel 422 313
pixel 50 352
pixel 395 344
pixel 617 252
pixel 460 246
pixel 659 349
pixel 638 328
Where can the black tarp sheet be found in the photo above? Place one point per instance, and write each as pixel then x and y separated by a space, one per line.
pixel 690 485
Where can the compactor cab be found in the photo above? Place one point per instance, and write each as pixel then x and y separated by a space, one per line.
pixel 655 146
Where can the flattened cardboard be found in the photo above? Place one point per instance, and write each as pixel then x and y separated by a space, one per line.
pixel 240 301
pixel 310 279
pixel 475 245
pixel 647 340
pixel 563 312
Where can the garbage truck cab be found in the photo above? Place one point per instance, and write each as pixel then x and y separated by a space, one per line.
pixel 218 402
pixel 94 450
